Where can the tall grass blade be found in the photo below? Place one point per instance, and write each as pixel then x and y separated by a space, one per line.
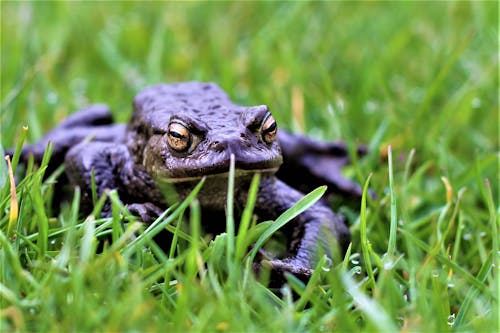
pixel 391 248
pixel 14 207
pixel 483 274
pixel 303 204
pixel 160 223
pixel 241 241
pixel 229 213
pixel 365 246
pixel 19 148
pixel 374 312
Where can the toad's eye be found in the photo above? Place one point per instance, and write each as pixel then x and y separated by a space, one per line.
pixel 178 137
pixel 269 129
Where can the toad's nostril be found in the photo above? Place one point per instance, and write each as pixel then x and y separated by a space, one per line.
pixel 217 146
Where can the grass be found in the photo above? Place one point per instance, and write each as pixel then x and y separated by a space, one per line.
pixel 421 78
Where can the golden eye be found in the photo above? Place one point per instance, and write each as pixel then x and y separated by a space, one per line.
pixel 178 137
pixel 269 129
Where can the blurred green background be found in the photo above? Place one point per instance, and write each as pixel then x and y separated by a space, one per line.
pixel 418 69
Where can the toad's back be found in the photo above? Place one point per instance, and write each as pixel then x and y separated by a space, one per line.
pixel 154 105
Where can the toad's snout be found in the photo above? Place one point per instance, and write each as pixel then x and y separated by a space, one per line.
pixel 230 145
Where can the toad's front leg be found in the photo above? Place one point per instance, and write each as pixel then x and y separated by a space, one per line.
pixel 315 232
pixel 112 167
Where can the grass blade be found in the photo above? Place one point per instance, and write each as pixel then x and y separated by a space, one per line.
pixel 450 264
pixel 229 213
pixel 365 245
pixel 472 294
pixel 303 204
pixel 373 311
pixel 242 239
pixel 391 248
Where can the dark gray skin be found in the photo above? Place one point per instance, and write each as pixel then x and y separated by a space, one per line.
pixel 182 132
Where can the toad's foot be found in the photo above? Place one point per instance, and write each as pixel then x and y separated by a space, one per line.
pixel 147 211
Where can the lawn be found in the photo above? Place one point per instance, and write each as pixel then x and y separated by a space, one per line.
pixel 417 82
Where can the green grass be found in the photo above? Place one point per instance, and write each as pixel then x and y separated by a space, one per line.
pixel 419 77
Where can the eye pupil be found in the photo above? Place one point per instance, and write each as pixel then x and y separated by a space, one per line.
pixel 269 129
pixel 176 134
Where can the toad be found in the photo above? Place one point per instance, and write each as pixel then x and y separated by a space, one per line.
pixel 181 132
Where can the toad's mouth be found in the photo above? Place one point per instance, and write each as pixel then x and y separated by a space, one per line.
pixel 238 173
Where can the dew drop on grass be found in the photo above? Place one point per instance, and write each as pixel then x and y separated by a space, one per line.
pixel 370 106
pixel 330 110
pixel 476 103
pixel 285 291
pixel 112 26
pixel 451 319
pixel 52 98
pixel 451 284
pixel 355 270
pixel 340 104
pixel 354 258
pixel 25 14
pixel 78 86
pixel 327 264
pixel 417 94
pixel 388 265
pixel 435 273
pixel 467 236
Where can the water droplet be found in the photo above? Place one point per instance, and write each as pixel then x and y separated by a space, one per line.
pixel 327 264
pixel 416 94
pixel 435 273
pixel 354 258
pixel 52 98
pixel 451 284
pixel 340 105
pixel 78 87
pixel 467 236
pixel 451 319
pixel 476 103
pixel 285 291
pixel 330 110
pixel 356 270
pixel 388 265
